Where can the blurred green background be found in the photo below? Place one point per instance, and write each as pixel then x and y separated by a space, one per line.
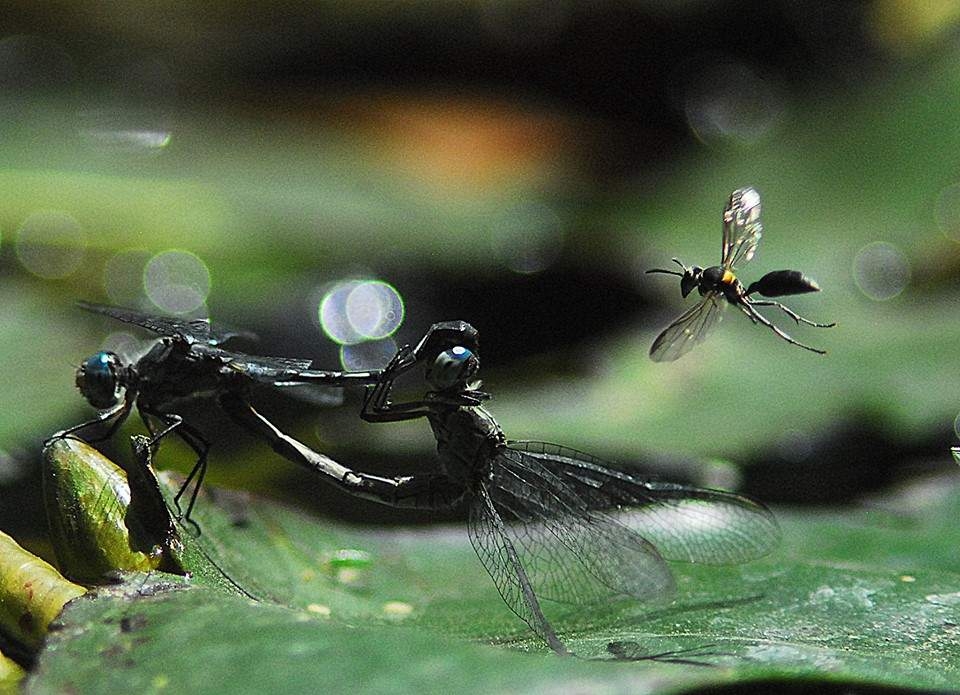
pixel 514 164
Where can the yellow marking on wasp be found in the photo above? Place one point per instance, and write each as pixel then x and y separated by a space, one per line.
pixel 728 278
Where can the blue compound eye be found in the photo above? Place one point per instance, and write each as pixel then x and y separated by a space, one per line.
pixel 452 367
pixel 98 379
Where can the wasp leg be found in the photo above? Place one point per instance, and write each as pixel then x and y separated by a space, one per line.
pixel 757 317
pixel 789 312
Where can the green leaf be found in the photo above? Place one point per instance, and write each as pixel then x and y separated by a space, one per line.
pixel 174 641
pixel 879 604
pixel 32 593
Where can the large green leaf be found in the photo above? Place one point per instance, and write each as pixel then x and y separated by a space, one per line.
pixel 860 597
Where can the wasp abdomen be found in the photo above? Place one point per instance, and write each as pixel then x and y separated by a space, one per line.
pixel 780 283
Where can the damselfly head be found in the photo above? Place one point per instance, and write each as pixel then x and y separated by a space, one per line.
pixel 452 369
pixel 445 335
pixel 100 380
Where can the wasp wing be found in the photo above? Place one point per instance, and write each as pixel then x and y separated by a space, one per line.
pixel 539 539
pixel 683 522
pixel 192 330
pixel 742 228
pixel 690 328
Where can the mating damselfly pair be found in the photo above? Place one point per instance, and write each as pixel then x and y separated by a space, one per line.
pixel 549 524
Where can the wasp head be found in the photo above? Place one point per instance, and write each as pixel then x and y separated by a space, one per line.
pixel 689 277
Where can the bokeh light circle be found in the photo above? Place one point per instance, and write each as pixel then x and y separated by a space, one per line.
pixel 375 309
pixel 355 311
pixel 50 244
pixel 881 270
pixel 333 314
pixel 729 102
pixel 176 281
pixel 372 354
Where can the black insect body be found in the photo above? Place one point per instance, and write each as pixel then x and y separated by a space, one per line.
pixel 188 362
pixel 550 523
pixel 719 285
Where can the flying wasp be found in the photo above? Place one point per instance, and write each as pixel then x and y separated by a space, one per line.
pixel 718 285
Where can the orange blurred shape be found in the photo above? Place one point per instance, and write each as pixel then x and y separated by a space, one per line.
pixel 454 141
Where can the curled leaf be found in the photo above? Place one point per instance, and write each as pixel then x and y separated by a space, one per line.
pixel 11 673
pixel 102 520
pixel 32 593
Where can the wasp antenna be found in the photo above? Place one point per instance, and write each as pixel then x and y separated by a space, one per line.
pixel 671 272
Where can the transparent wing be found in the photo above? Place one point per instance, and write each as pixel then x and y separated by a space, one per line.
pixel 279 373
pixel 312 394
pixel 293 377
pixel 193 330
pixel 742 228
pixel 539 536
pixel 273 370
pixel 683 522
pixel 502 561
pixel 690 328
